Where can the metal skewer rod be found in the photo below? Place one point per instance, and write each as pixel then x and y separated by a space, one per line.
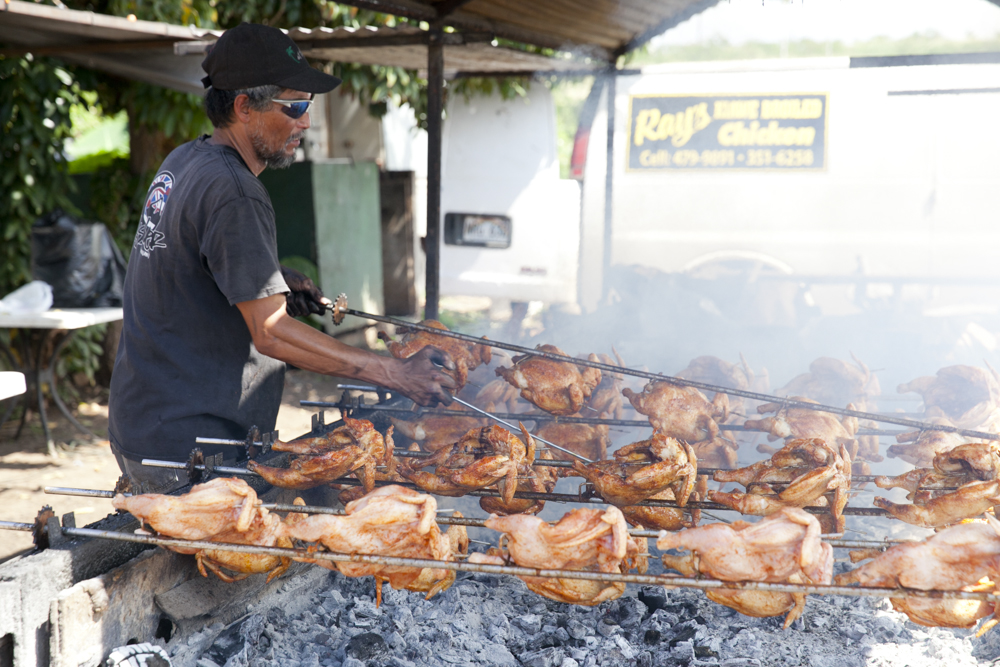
pixel 637 423
pixel 448 521
pixel 518 571
pixel 556 497
pixel 704 386
pixel 515 429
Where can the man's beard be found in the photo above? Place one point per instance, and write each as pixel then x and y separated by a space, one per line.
pixel 272 159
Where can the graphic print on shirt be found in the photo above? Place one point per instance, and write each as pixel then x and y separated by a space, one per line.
pixel 147 238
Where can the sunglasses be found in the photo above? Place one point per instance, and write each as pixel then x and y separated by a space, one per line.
pixel 294 108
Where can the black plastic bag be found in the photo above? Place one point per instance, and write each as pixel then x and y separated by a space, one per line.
pixel 79 259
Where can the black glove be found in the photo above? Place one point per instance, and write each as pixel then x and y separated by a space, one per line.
pixel 304 297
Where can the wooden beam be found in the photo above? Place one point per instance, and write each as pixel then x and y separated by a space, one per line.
pixel 90 47
pixel 412 39
pixel 446 7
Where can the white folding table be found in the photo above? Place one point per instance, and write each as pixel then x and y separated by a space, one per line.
pixel 39 330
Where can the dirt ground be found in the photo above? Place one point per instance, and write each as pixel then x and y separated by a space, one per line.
pixel 26 468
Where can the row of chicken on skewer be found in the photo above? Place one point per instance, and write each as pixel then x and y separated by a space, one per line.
pixel 961 396
pixel 807 473
pixel 784 548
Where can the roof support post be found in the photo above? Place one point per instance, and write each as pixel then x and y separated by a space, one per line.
pixel 435 107
pixel 609 178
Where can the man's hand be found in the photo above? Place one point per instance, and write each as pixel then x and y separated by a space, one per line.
pixel 424 377
pixel 305 297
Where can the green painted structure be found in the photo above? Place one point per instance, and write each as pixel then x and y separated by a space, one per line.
pixel 329 213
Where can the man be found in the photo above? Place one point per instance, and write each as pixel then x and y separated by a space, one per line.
pixel 207 329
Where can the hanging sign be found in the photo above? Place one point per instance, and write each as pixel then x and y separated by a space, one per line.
pixel 758 132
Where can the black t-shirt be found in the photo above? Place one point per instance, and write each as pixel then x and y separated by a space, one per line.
pixel 186 364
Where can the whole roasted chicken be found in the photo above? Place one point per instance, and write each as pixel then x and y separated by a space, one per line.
pixel 606 400
pixel 968 396
pixel 643 469
pixel 663 518
pixel 583 539
pixel 790 422
pixel 467 356
pixel 781 548
pixel 436 431
pixel 367 450
pixel 481 458
pixel 806 469
pixel 920 447
pixel 964 482
pixel 588 440
pixel 536 478
pixel 390 521
pixel 712 370
pixel 835 382
pixel 965 557
pixel 557 387
pixel 222 510
pixel 684 413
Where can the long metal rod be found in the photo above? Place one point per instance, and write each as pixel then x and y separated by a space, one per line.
pixel 704 386
pixel 517 571
pixel 515 429
pixel 528 495
pixel 445 520
pixel 532 416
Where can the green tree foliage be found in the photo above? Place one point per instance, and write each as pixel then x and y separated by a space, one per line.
pixel 35 98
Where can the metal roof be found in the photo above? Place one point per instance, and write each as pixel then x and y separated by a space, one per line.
pixel 171 55
pixel 602 28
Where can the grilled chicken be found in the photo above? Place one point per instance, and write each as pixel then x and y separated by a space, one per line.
pixel 712 370
pixel 808 469
pixel 606 399
pixel 643 469
pixel 680 412
pixel 497 396
pixel 222 510
pixel 557 387
pixel 782 548
pixel 920 447
pixel 390 521
pixel 530 479
pixel 307 472
pixel 359 432
pixel 834 382
pixel 965 557
pixel 684 413
pixel 804 423
pixel 483 457
pixel 467 356
pixel 662 518
pixel 436 431
pixel 428 581
pixel 208 509
pixel 969 475
pixel 589 441
pixel 584 539
pixel 966 395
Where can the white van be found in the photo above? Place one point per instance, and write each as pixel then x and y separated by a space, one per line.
pixel 809 167
pixel 500 171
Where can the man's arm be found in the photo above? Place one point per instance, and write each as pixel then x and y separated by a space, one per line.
pixel 278 335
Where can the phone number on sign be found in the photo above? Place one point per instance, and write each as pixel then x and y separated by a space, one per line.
pixel 759 157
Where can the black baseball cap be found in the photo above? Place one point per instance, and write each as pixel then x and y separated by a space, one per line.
pixel 252 55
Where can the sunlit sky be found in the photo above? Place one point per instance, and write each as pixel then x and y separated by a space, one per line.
pixel 739 21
